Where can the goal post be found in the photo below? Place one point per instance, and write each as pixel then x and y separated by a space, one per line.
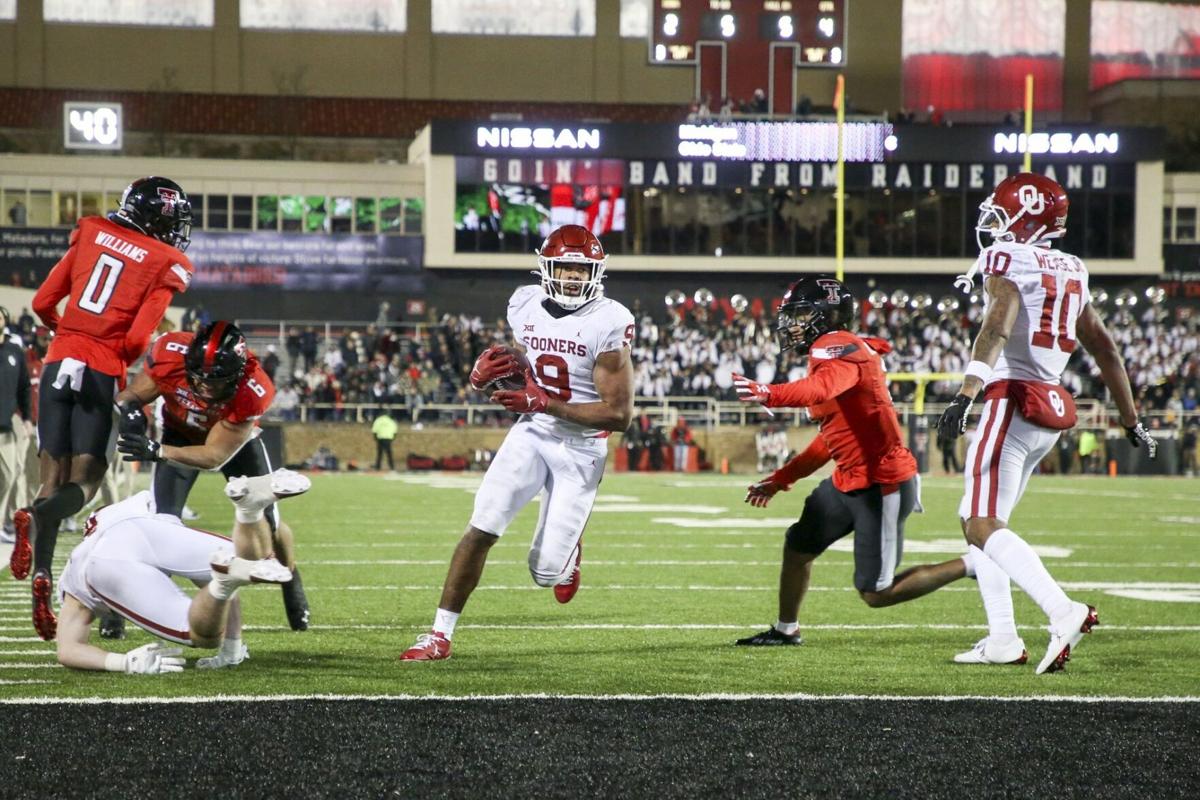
pixel 922 379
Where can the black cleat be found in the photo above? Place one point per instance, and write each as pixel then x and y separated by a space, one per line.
pixel 770 638
pixel 295 602
pixel 112 626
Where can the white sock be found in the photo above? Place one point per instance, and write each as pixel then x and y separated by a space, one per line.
pixel 444 622
pixel 787 628
pixel 248 516
pixel 996 592
pixel 223 587
pixel 230 648
pixel 968 559
pixel 1017 559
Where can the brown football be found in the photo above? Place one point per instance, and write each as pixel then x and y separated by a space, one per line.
pixel 514 380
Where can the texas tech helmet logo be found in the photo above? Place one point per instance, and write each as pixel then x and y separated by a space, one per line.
pixel 169 198
pixel 832 290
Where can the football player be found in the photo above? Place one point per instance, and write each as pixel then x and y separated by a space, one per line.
pixel 874 485
pixel 125 566
pixel 118 276
pixel 214 391
pixel 1036 309
pixel 578 388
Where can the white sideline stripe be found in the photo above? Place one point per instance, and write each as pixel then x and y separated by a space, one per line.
pixel 26 652
pixel 700 587
pixel 30 666
pixel 19 683
pixel 20 639
pixel 658 626
pixel 730 697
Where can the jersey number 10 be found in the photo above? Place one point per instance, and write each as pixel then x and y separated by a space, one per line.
pixel 1056 313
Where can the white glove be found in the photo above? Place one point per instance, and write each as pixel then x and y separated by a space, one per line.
pixel 153 659
pixel 223 659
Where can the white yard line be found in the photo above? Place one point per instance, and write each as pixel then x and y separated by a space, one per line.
pixel 615 626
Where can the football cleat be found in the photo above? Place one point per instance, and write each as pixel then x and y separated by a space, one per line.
pixel 112 626
pixel 222 659
pixel 25 528
pixel 295 602
pixel 563 592
pixel 44 621
pixel 1066 634
pixel 771 638
pixel 261 491
pixel 984 652
pixel 431 646
pixel 244 570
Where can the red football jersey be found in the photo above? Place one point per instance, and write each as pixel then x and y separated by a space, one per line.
pixel 120 283
pixel 186 414
pixel 847 371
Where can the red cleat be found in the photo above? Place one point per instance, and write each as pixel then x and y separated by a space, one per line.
pixel 22 553
pixel 563 592
pixel 44 620
pixel 431 646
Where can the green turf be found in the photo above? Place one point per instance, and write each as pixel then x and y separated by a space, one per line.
pixel 374 552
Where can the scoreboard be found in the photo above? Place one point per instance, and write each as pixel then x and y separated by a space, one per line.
pixel 816 27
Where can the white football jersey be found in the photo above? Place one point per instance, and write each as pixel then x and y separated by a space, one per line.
pixel 562 350
pixel 1054 290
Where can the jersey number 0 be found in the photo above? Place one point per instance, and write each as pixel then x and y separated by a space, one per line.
pixel 101 283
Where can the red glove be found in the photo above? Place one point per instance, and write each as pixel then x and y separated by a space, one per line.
pixel 493 363
pixel 530 400
pixel 759 494
pixel 749 391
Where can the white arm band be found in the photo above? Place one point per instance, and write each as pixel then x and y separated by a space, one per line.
pixel 114 662
pixel 979 370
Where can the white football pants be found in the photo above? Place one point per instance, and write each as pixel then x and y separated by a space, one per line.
pixel 1003 454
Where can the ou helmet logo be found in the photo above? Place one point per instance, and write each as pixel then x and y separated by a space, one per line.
pixel 1031 199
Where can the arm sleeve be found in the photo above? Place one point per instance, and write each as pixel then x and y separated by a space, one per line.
pixel 828 380
pixel 815 456
pixel 144 324
pixel 56 286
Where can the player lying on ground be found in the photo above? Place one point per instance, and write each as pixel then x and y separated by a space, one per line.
pixel 214 391
pixel 874 485
pixel 578 389
pixel 118 276
pixel 127 559
pixel 1037 308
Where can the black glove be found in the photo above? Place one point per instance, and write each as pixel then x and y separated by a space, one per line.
pixel 132 419
pixel 137 447
pixel 1138 436
pixel 953 422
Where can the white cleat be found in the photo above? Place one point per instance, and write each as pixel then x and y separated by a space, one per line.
pixel 984 652
pixel 221 660
pixel 255 494
pixel 1065 634
pixel 244 570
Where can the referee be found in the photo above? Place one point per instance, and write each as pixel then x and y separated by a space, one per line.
pixel 15 417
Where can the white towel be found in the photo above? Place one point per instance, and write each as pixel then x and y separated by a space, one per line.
pixel 70 370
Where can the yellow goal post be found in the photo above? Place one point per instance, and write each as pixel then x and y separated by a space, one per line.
pixel 922 379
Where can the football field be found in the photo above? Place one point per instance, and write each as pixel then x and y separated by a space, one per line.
pixel 675 568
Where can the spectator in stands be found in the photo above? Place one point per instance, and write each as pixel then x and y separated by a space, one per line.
pixel 287 401
pixel 292 346
pixel 949 450
pixel 804 107
pixel 381 319
pixel 682 442
pixel 270 362
pixel 1066 452
pixel 1187 459
pixel 384 430
pixel 759 103
pixel 308 347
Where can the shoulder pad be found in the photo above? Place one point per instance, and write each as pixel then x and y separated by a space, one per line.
pixel 523 294
pixel 835 345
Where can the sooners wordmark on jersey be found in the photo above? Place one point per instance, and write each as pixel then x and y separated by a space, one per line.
pixel 187 414
pixel 1054 290
pixel 562 349
pixel 111 274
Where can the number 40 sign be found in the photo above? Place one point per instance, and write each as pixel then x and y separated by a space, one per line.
pixel 92 126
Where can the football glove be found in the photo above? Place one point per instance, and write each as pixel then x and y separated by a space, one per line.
pixel 137 447
pixel 224 659
pixel 530 400
pixel 1138 436
pixel 749 391
pixel 953 422
pixel 132 419
pixel 759 494
pixel 493 363
pixel 153 659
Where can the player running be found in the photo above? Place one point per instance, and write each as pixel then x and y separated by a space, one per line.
pixel 125 566
pixel 214 391
pixel 577 391
pixel 1036 308
pixel 874 485
pixel 118 275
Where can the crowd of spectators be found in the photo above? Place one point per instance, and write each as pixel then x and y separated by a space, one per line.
pixel 693 350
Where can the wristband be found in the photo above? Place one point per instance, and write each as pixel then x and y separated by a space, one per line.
pixel 114 662
pixel 978 369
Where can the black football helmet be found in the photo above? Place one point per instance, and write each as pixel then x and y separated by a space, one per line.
pixel 215 361
pixel 157 207
pixel 816 305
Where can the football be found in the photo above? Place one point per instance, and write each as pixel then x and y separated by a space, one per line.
pixel 515 379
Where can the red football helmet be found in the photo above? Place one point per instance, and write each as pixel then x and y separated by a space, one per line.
pixel 1025 208
pixel 571 245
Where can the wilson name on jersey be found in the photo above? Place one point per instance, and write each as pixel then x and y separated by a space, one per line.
pixel 187 414
pixel 1054 290
pixel 562 350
